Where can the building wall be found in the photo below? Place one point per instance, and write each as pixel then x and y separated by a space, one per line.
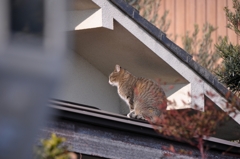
pixel 83 83
pixel 183 14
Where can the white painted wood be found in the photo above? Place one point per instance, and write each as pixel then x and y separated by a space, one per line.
pixel 181 98
pixel 85 19
pixel 89 19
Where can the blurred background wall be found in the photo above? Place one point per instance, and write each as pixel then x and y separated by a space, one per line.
pixel 183 14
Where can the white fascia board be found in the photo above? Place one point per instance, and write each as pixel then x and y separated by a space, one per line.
pixel 219 101
pixel 88 19
pixel 180 98
pixel 189 96
pixel 197 95
pixel 85 19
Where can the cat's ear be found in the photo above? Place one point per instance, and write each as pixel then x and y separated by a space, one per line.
pixel 117 67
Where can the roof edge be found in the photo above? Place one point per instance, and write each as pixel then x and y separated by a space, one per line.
pixel 77 113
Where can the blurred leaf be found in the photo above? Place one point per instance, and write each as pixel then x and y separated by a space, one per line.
pixel 52 149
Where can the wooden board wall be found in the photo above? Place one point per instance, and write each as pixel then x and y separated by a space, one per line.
pixel 183 14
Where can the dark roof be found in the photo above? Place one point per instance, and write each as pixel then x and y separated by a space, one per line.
pixel 82 114
pixel 179 52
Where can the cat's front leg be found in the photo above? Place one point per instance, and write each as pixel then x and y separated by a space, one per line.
pixel 130 102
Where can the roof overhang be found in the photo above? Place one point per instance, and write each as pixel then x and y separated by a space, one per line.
pixel 122 36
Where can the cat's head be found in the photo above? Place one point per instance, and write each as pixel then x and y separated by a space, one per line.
pixel 115 76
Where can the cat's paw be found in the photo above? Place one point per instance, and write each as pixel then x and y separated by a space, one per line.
pixel 135 116
pixel 140 117
pixel 131 114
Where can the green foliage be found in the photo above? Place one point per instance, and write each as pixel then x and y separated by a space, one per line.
pixel 233 17
pixel 229 72
pixel 52 149
pixel 202 49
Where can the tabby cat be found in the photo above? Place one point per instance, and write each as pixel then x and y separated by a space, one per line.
pixel 145 98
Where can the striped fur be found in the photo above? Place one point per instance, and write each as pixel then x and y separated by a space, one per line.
pixel 145 98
